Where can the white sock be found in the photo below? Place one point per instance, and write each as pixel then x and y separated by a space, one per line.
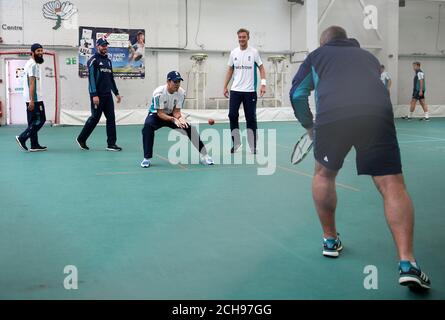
pixel 410 114
pixel 426 115
pixel 414 264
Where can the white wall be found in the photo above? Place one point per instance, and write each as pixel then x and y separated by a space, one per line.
pixel 420 33
pixel 165 25
pixel 212 29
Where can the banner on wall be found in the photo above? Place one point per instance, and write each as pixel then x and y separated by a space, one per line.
pixel 126 50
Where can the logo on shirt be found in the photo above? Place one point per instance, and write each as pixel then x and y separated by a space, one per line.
pixel 101 64
pixel 248 58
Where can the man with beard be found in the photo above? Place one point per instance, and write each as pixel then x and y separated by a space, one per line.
pixel 101 85
pixel 32 94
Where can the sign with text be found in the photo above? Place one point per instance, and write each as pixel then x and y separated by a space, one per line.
pixel 126 50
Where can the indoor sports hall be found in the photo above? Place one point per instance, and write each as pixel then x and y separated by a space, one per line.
pixel 81 224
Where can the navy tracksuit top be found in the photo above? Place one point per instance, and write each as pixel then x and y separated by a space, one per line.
pixel 100 80
pixel 347 84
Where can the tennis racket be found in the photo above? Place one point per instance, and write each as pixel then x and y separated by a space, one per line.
pixel 301 148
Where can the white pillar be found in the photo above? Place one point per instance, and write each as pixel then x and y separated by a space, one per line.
pixel 392 15
pixel 312 39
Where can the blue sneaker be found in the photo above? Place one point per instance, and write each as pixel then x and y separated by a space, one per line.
pixel 332 247
pixel 145 163
pixel 412 276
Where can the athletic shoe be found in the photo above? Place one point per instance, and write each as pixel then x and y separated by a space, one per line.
pixel 114 148
pixel 405 118
pixel 82 145
pixel 424 119
pixel 21 143
pixel 412 276
pixel 332 247
pixel 38 148
pixel 236 148
pixel 145 163
pixel 207 160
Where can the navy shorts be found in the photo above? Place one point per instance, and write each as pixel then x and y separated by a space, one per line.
pixel 373 138
pixel 416 95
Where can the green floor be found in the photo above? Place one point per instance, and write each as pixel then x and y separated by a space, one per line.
pixel 195 232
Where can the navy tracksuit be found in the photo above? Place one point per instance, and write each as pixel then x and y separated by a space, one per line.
pixel 101 83
pixel 360 92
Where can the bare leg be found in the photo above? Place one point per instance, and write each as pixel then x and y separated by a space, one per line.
pixel 412 106
pixel 325 198
pixel 424 106
pixel 399 212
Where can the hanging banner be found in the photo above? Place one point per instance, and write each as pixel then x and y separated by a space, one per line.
pixel 126 50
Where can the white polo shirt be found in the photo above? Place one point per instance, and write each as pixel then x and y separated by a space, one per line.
pixel 32 69
pixel 244 64
pixel 163 100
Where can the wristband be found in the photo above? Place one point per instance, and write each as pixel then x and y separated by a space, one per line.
pixel 263 82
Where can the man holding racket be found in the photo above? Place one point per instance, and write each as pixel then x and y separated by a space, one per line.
pixel 165 111
pixel 362 119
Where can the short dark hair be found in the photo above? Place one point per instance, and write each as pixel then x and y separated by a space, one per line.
pixel 331 33
pixel 417 63
pixel 243 30
pixel 382 66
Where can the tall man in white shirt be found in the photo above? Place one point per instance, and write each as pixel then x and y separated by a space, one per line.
pixel 32 94
pixel 243 62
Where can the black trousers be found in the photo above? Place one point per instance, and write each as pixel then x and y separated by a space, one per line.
pixel 36 120
pixel 153 123
pixel 106 106
pixel 248 99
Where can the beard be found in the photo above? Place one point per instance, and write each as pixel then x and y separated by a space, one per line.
pixel 39 59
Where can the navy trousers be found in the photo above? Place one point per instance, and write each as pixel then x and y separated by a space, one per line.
pixel 36 120
pixel 248 99
pixel 106 106
pixel 153 123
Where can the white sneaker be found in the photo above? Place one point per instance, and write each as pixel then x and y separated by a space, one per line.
pixel 207 160
pixel 145 163
pixel 236 148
